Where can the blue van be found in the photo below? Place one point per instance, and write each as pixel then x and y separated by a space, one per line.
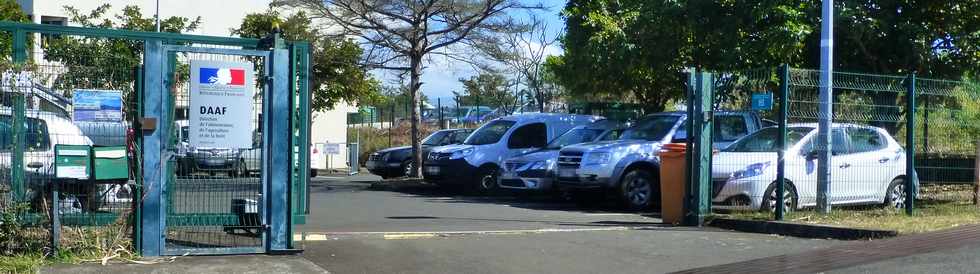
pixel 476 163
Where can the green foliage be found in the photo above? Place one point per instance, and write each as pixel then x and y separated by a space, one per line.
pixel 486 89
pixel 100 62
pixel 15 237
pixel 10 11
pixel 336 74
pixel 637 49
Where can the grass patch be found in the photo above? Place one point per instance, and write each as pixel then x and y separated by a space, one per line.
pixel 26 263
pixel 928 216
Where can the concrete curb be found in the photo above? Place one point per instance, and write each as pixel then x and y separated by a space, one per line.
pixel 801 230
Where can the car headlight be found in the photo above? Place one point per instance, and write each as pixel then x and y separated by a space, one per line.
pixel 596 158
pixel 460 154
pixel 751 170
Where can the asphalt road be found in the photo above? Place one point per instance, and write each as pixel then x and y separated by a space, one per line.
pixel 354 228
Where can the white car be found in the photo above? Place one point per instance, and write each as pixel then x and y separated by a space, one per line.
pixel 867 167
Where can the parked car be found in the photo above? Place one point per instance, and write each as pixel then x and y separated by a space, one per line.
pixel 536 170
pixel 472 114
pixel 397 161
pixel 630 166
pixel 44 131
pixel 868 167
pixel 235 162
pixel 476 163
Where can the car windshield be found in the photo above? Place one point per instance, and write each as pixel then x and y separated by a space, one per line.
pixel 575 136
pixel 435 138
pixel 652 128
pixel 765 140
pixel 489 133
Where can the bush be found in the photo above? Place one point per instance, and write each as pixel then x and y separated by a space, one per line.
pixel 374 139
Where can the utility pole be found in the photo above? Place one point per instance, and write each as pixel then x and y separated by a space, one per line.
pixel 824 144
pixel 158 16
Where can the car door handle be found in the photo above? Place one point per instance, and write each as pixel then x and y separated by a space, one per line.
pixel 35 165
pixel 845 166
pixel 883 160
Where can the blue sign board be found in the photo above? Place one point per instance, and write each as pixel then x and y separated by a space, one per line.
pixel 97 105
pixel 762 101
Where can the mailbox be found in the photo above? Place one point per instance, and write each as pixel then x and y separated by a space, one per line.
pixel 72 161
pixel 111 163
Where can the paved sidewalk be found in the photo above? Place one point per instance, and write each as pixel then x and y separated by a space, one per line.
pixel 259 264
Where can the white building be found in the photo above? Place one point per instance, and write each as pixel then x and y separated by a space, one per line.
pixel 218 17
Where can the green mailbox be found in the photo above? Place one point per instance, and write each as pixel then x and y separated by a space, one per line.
pixel 72 161
pixel 111 163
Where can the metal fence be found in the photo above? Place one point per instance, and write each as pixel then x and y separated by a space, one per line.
pixel 40 123
pixel 71 157
pixel 869 142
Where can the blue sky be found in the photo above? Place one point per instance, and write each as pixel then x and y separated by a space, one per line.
pixel 441 77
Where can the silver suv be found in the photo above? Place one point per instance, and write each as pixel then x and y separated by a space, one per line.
pixel 630 167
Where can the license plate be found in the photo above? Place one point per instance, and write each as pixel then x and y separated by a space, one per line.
pixel 432 170
pixel 566 173
pixel 370 164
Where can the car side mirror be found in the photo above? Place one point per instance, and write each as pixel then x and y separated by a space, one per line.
pixel 679 137
pixel 812 155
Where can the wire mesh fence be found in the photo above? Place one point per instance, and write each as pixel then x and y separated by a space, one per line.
pixel 868 144
pixel 213 197
pixel 946 135
pixel 70 98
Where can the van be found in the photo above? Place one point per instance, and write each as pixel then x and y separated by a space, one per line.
pixel 475 164
pixel 44 131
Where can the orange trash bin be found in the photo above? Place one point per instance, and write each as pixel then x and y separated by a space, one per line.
pixel 672 174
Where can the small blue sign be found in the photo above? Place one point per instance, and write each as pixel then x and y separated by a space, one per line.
pixel 762 101
pixel 97 105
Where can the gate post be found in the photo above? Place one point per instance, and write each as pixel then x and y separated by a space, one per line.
pixel 699 144
pixel 154 167
pixel 277 138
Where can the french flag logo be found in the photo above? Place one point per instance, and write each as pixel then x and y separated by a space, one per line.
pixel 222 76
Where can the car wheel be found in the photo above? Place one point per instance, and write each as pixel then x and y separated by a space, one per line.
pixel 90 198
pixel 407 167
pixel 313 173
pixel 183 170
pixel 790 198
pixel 637 189
pixel 240 171
pixel 895 194
pixel 486 182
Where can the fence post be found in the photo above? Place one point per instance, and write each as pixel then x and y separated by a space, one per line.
pixel 781 141
pixel 911 177
pixel 699 150
pixel 976 177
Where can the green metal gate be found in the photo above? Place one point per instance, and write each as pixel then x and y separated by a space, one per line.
pixel 170 205
pixel 214 194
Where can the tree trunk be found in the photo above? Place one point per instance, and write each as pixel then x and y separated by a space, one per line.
pixel 414 88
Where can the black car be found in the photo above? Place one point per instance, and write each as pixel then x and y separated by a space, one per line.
pixel 397 161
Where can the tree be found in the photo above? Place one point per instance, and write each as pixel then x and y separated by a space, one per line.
pixel 402 34
pixel 523 52
pixel 485 89
pixel 10 11
pixel 636 49
pixel 102 62
pixel 336 73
